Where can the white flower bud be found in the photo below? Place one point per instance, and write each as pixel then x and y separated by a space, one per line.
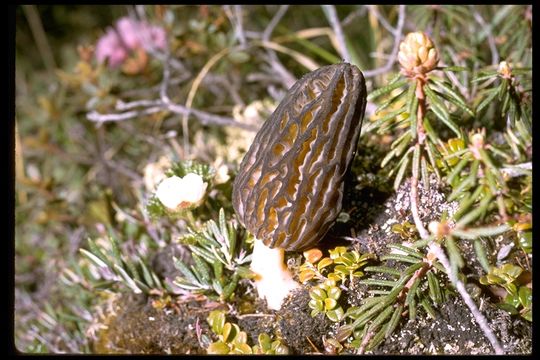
pixel 175 192
pixel 505 70
pixel 222 174
pixel 417 54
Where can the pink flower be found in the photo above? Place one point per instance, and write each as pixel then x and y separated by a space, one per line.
pixel 158 37
pixel 129 35
pixel 130 31
pixel 110 47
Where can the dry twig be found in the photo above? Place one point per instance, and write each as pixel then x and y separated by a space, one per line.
pixel 397 33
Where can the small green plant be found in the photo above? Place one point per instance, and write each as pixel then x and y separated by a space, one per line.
pixel 395 294
pixel 346 265
pixel 219 259
pixel 231 340
pixel 518 299
pixel 331 272
pixel 113 267
pixel 268 347
pixel 324 299
pixel 406 230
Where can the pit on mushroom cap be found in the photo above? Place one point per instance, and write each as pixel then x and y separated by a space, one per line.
pixel 289 187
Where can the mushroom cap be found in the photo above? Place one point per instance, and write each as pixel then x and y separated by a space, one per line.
pixel 289 187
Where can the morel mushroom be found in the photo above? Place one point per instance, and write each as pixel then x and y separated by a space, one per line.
pixel 289 187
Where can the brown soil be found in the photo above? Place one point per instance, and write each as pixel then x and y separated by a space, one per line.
pixel 138 327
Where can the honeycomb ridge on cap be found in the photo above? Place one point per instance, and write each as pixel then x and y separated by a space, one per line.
pixel 289 187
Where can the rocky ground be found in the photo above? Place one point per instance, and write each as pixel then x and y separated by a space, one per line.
pixel 135 325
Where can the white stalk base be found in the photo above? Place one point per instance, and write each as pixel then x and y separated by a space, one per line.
pixel 274 281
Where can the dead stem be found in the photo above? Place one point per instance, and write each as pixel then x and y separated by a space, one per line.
pixel 433 247
pixel 365 341
pixel 417 275
pixel 313 345
pixel 254 315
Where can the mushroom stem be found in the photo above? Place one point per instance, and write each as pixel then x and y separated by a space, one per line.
pixel 274 281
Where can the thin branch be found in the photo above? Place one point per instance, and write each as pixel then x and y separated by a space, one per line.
pixel 163 92
pixel 480 319
pixel 353 15
pixel 155 89
pixel 240 19
pixel 204 117
pixel 164 87
pixel 491 40
pixel 397 33
pixel 365 341
pixel 382 20
pixel 210 119
pixel 123 106
pixel 103 118
pixel 36 27
pixel 331 15
pixel 235 17
pixel 273 23
pixel 517 170
pixel 414 208
pixel 227 85
pixel 286 77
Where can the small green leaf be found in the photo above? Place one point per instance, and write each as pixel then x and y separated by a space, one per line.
pixel 146 274
pixel 127 279
pixel 334 293
pixel 317 293
pixel 412 292
pixel 425 304
pixel 201 268
pixel 230 287
pixel 402 258
pixel 440 110
pixel 242 349
pixel 394 321
pixel 527 315
pixel 336 314
pixel 229 332
pixel 93 258
pixel 264 341
pixel 454 68
pixel 386 89
pixel 525 296
pixel 481 255
pixel 434 288
pixel 324 263
pixel 401 171
pixel 376 124
pixel 490 96
pixel 508 307
pixel 185 271
pixel 453 96
pixel 245 273
pixel 218 347
pixel 216 320
pixel 96 251
pixel 485 76
pixel 316 305
pixel 329 303
pixel 525 240
pixel 474 233
pixel 241 338
pixel 407 250
pixel 412 309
